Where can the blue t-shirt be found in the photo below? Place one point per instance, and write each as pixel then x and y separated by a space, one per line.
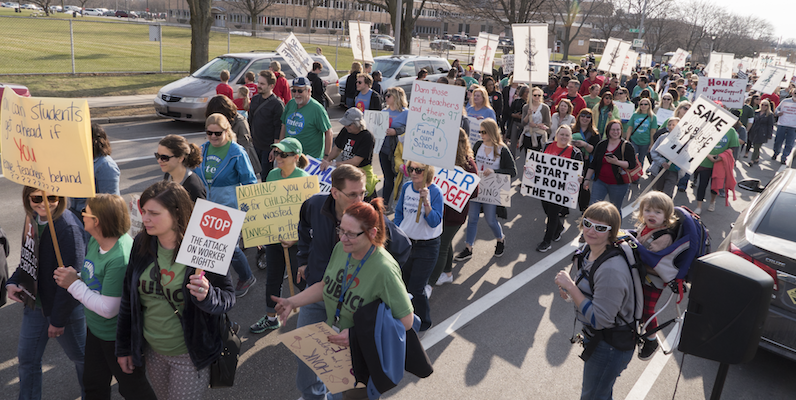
pixel 484 112
pixel 362 101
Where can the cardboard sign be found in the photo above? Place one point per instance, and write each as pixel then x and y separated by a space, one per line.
pixel 324 177
pixel 769 80
pixel 788 118
pixel 485 52
pixel 508 63
pixel 332 363
pixel 730 92
pixel 29 263
pixel 552 178
pixel 295 55
pixel 495 189
pixel 614 56
pixel 662 115
pixel 646 60
pixel 530 42
pixel 720 65
pixel 457 185
pixel 626 110
pixel 432 126
pixel 475 130
pixel 377 123
pixel 272 209
pixel 211 237
pixel 630 63
pixel 696 134
pixel 679 58
pixel 359 35
pixel 46 144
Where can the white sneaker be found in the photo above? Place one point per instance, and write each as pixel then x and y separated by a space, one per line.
pixel 712 207
pixel 427 291
pixel 698 211
pixel 443 279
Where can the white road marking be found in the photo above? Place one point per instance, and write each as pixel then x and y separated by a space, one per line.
pixel 650 375
pixel 153 138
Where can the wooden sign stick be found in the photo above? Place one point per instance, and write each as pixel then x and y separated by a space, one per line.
pixel 289 272
pixel 52 229
pixel 647 189
pixel 419 210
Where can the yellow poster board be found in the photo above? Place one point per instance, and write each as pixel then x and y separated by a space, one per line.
pixel 272 209
pixel 46 143
pixel 332 363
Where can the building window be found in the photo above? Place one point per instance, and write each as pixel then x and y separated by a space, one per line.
pixel 320 23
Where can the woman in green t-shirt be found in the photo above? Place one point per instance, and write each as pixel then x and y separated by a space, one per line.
pixel 641 128
pixel 99 287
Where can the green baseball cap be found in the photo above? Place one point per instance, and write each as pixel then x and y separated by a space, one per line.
pixel 289 145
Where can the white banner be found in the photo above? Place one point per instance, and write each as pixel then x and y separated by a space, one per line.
pixel 377 123
pixel 730 92
pixel 532 61
pixel 552 178
pixel 663 115
pixel 630 63
pixel 295 55
pixel 767 60
pixel 700 129
pixel 679 58
pixel 495 189
pixel 508 63
pixel 457 185
pixel 741 65
pixel 788 118
pixel 646 60
pixel 720 65
pixel 485 52
pixel 211 237
pixel 626 110
pixel 324 177
pixel 359 35
pixel 475 130
pixel 614 56
pixel 432 126
pixel 769 80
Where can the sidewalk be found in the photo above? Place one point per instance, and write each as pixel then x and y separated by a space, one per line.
pixel 121 101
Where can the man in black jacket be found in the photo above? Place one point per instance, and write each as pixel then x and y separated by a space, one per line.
pixel 265 119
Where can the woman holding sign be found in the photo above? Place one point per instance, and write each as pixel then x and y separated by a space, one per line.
pixel 170 316
pixel 610 157
pixel 395 98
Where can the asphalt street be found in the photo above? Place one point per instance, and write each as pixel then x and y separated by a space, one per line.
pixel 500 330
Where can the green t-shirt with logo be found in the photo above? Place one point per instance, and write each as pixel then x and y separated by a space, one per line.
pixel 641 136
pixel 162 328
pixel 214 157
pixel 308 124
pixel 104 274
pixel 379 278
pixel 276 174
pixel 730 139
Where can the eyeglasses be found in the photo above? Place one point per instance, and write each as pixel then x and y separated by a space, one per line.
pixel 353 196
pixel 282 154
pixel 415 170
pixel 39 199
pixel 585 116
pixel 86 214
pixel 299 90
pixel 537 95
pixel 597 227
pixel 360 83
pixel 166 158
pixel 211 133
pixel 348 235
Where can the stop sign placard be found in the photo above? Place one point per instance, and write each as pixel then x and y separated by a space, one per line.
pixel 215 223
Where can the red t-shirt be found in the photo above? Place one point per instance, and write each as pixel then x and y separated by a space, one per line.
pixel 773 97
pixel 584 87
pixel 238 103
pixel 252 89
pixel 225 89
pixel 606 174
pixel 558 151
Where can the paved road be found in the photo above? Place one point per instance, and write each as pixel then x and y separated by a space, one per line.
pixel 500 332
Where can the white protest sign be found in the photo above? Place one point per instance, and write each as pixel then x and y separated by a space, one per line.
pixel 475 130
pixel 495 189
pixel 457 185
pixel 295 55
pixel 740 65
pixel 377 123
pixel 552 178
pixel 331 362
pixel 790 70
pixel 662 115
pixel 211 237
pixel 508 63
pixel 730 92
pixel 646 60
pixel 324 177
pixel 700 129
pixel 532 61
pixel 769 80
pixel 432 126
pixel 626 110
pixel 630 63
pixel 614 56
pixel 720 65
pixel 767 60
pixel 788 118
pixel 359 35
pixel 679 58
pixel 485 52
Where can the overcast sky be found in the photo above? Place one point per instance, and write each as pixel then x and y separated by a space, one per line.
pixel 780 13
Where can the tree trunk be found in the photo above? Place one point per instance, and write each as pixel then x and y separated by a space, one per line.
pixel 407 26
pixel 201 21
pixel 254 24
pixel 565 42
pixel 309 18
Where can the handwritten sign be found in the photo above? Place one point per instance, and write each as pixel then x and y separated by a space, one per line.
pixel 475 130
pixel 295 55
pixel 46 144
pixel 324 177
pixel 211 237
pixel 359 34
pixel 495 189
pixel 769 80
pixel 432 126
pixel 630 62
pixel 508 63
pixel 377 123
pixel 663 115
pixel 679 58
pixel 696 134
pixel 457 185
pixel 552 178
pixel 788 118
pixel 626 110
pixel 485 52
pixel 530 43
pixel 614 56
pixel 720 65
pixel 332 363
pixel 731 92
pixel 272 209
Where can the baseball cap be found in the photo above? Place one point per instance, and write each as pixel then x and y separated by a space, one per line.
pixel 351 115
pixel 301 81
pixel 289 145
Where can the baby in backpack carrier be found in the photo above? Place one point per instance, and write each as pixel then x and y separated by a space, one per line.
pixel 655 217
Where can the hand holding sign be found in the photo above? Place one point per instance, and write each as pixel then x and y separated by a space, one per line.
pixel 210 240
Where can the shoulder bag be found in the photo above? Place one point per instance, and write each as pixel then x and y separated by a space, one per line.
pixel 630 175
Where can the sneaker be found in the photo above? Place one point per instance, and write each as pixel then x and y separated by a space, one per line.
pixel 698 211
pixel 722 193
pixel 243 287
pixel 648 350
pixel 465 254
pixel 443 279
pixel 712 207
pixel 559 236
pixel 774 157
pixel 261 265
pixel 543 247
pixel 427 291
pixel 500 247
pixel 746 155
pixel 783 162
pixel 681 189
pixel 265 324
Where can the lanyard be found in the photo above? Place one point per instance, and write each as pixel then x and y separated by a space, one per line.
pixel 347 282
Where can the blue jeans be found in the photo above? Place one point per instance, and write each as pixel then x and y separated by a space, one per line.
pixel 616 193
pixel 416 271
pixel 683 182
pixel 641 151
pixel 490 214
pixel 786 135
pixel 33 340
pixel 241 265
pixel 388 170
pixel 307 382
pixel 601 371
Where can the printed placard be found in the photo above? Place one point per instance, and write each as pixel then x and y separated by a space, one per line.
pixel 696 134
pixel 662 115
pixel 457 185
pixel 614 56
pixel 626 110
pixel 485 52
pixel 29 264
pixel 359 35
pixel 272 209
pixel 552 178
pixel 46 144
pixel 295 55
pixel 720 65
pixel 730 92
pixel 679 58
pixel 788 118
pixel 508 63
pixel 475 130
pixel 377 123
pixel 646 60
pixel 332 363
pixel 769 80
pixel 495 189
pixel 432 126
pixel 211 237
pixel 530 43
pixel 324 176
pixel 630 63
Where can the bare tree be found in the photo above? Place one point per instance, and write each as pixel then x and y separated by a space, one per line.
pixel 699 18
pixel 572 14
pixel 608 24
pixel 504 12
pixel 252 8
pixel 407 18
pixel 201 21
pixel 311 6
pixel 45 4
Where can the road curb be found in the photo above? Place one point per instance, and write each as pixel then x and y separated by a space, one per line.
pixel 129 118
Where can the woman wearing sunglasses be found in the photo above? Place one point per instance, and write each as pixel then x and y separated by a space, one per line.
pixel 605 111
pixel 536 119
pixel 99 288
pixel 609 157
pixel 395 99
pixel 641 129
pixel 223 105
pixel 419 214
pixel 290 163
pixel 177 158
pixel 604 296
pixel 50 311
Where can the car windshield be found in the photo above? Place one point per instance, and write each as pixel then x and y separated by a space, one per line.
pixel 213 69
pixel 387 67
pixel 773 223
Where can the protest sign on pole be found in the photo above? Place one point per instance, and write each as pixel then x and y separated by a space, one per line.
pixel 552 178
pixel 494 189
pixel 679 58
pixel 626 110
pixel 272 209
pixel 788 117
pixel 532 61
pixel 475 130
pixel 769 80
pixel 295 55
pixel 767 60
pixel 485 52
pixel 662 115
pixel 700 129
pixel 630 63
pixel 324 176
pixel 456 185
pixel 211 237
pixel 740 65
pixel 720 65
pixel 377 123
pixel 359 35
pixel 614 56
pixel 730 92
pixel 432 126
pixel 46 144
pixel 332 363
pixel 646 60
pixel 508 63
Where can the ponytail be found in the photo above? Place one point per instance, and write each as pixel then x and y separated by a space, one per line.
pixel 194 158
pixel 303 161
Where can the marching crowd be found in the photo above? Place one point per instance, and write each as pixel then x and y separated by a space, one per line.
pixel 123 307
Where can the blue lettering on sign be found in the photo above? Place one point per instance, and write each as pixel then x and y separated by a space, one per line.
pixel 294 124
pixel 429 141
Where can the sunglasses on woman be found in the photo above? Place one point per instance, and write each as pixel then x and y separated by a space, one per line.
pixel 85 213
pixel 39 199
pixel 415 170
pixel 282 154
pixel 585 115
pixel 597 227
pixel 163 157
pixel 211 133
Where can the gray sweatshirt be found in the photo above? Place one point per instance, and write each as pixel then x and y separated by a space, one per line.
pixel 613 294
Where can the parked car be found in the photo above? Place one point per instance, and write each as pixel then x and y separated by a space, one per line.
pixel 506 45
pixel 401 70
pixel 186 99
pixel 94 12
pixel 30 7
pixel 109 13
pixel 441 45
pixel 126 14
pixel 382 43
pixel 765 235
pixel 18 89
pixel 10 5
pixel 458 38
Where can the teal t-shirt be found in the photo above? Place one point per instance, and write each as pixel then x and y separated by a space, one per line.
pixel 730 139
pixel 308 124
pixel 469 81
pixel 642 135
pixel 104 274
pixel 276 174
pixel 590 103
pixel 379 278
pixel 214 157
pixel 162 329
